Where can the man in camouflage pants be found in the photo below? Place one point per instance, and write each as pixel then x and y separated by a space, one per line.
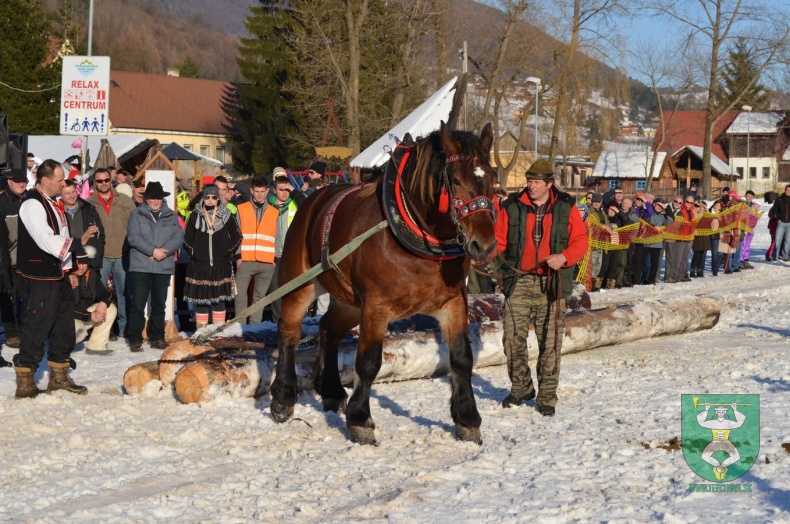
pixel 541 233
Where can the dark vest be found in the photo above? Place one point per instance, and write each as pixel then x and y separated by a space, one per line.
pixel 517 213
pixel 32 261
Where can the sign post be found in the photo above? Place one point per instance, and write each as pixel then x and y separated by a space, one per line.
pixel 85 96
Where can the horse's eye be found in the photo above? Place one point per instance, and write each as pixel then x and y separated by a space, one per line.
pixel 456 182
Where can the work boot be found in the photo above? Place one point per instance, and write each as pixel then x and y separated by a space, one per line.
pixel 59 379
pixel 611 283
pixel 4 363
pixel 512 400
pixel 546 411
pixel 26 383
pixel 13 342
pixel 597 283
pixel 159 344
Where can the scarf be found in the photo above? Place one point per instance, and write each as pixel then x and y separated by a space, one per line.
pixel 282 208
pixel 204 218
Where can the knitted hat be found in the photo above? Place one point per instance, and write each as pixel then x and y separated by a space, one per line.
pixel 210 190
pixel 279 171
pixel 319 167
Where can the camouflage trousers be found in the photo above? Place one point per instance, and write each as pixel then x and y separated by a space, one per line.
pixel 530 303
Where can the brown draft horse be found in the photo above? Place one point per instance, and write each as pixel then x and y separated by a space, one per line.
pixel 381 281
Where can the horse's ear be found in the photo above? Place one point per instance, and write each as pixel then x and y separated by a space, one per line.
pixel 449 145
pixel 487 138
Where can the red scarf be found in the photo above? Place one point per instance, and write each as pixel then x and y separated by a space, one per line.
pixel 106 205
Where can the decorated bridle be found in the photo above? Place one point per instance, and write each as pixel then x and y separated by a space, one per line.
pixel 462 208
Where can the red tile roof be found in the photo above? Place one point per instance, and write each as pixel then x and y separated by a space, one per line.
pixel 688 129
pixel 167 103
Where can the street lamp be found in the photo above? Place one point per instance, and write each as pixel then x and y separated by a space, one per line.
pixel 536 81
pixel 748 110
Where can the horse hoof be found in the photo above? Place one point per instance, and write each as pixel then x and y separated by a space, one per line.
pixel 468 434
pixel 281 413
pixel 334 404
pixel 362 435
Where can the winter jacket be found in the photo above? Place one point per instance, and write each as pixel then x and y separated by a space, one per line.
pixel 115 223
pixel 145 233
pixel 781 209
pixel 659 220
pixel 564 233
pixel 86 216
pixel 9 209
pixel 213 249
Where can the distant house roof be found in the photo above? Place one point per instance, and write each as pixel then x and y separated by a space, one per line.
pixel 59 147
pixel 627 164
pixel 687 128
pixel 174 151
pixel 756 123
pixel 716 164
pixel 167 103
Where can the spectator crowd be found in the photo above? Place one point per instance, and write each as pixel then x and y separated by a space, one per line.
pixel 83 257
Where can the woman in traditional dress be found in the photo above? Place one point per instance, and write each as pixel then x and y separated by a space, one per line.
pixel 211 238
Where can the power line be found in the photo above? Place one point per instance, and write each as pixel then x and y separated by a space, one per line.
pixel 29 90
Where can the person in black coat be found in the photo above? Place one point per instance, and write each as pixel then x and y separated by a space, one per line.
pixel 81 215
pixel 93 308
pixel 611 260
pixel 211 238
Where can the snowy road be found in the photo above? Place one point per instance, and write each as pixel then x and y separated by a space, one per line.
pixel 107 457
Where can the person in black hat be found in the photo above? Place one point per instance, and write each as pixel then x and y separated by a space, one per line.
pixel 315 173
pixel 154 236
pixel 540 253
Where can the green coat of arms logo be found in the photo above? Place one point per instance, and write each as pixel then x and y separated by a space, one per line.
pixel 721 434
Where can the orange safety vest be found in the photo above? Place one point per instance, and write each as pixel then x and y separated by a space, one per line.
pixel 257 243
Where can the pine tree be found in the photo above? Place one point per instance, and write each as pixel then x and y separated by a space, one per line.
pixel 261 110
pixel 30 89
pixel 188 68
pixel 739 69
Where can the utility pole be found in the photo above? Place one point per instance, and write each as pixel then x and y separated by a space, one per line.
pixel 463 56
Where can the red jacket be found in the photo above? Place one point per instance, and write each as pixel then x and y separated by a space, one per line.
pixel 577 242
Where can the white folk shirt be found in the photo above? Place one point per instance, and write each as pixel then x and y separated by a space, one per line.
pixel 35 219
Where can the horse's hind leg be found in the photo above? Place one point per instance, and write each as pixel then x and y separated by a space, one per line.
pixel 373 327
pixel 289 332
pixel 337 321
pixel 463 408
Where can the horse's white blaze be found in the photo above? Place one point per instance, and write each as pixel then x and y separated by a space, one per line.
pixel 479 172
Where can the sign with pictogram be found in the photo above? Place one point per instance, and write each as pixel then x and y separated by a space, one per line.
pixel 85 96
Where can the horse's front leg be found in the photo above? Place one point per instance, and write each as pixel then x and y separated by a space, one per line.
pixel 372 329
pixel 463 408
pixel 335 324
pixel 289 332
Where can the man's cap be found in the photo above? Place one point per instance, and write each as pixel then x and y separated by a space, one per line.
pixel 659 200
pixel 18 175
pixel 639 194
pixel 155 190
pixel 319 167
pixel 613 204
pixel 541 170
pixel 279 171
pixel 597 197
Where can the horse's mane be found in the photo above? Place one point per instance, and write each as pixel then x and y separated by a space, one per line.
pixel 421 174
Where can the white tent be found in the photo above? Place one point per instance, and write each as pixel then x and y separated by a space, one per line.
pixel 58 147
pixel 420 122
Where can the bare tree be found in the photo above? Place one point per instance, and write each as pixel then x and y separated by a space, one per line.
pixel 589 24
pixel 665 69
pixel 712 24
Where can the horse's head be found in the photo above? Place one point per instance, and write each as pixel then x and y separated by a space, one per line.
pixel 468 180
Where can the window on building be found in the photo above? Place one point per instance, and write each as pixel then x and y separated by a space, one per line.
pixel 188 147
pixel 614 184
pixel 204 150
pixel 739 170
pixel 220 154
pixel 766 172
pixel 752 172
pixel 641 185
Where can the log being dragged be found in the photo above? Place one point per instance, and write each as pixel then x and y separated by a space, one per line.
pixel 140 375
pixel 423 354
pixel 205 379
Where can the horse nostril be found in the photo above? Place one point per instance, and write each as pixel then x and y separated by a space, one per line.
pixel 475 247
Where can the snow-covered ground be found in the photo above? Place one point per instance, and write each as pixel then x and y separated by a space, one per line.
pixel 106 457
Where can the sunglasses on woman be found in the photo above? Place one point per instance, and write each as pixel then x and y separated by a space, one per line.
pixel 210 197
